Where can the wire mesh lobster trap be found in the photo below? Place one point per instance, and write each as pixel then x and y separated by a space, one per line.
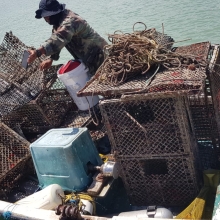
pixel 199 51
pixel 213 107
pixel 43 113
pixel 201 105
pixel 206 130
pixel 169 181
pixel 17 85
pixel 78 118
pixel 91 119
pixel 148 124
pixel 204 111
pixel 214 79
pixel 180 79
pixel 14 153
pixel 155 129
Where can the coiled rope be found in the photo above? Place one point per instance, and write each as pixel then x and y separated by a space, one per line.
pixel 133 54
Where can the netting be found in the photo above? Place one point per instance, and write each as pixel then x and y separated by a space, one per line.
pixel 203 205
pixel 183 78
pixel 198 50
pixel 215 82
pixel 204 111
pixel 43 113
pixel 196 208
pixel 14 151
pixel 152 138
pixel 148 124
pixel 160 180
pixel 17 85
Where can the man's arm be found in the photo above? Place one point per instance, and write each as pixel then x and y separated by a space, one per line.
pixel 59 38
pixel 54 44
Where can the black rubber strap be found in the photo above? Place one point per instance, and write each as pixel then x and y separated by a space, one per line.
pixel 38 52
pixel 151 211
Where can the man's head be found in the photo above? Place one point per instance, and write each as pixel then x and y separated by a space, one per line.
pixel 49 8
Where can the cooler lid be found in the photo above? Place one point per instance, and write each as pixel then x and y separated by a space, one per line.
pixel 58 137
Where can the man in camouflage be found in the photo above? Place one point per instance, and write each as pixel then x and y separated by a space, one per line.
pixel 70 31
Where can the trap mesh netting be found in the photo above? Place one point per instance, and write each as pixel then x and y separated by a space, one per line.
pixel 165 80
pixel 152 138
pixel 14 153
pixel 149 124
pixel 17 85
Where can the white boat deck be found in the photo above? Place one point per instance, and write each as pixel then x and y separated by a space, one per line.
pixel 25 212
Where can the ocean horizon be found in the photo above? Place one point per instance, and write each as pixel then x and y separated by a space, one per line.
pixel 186 21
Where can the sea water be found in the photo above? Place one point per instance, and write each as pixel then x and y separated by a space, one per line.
pixel 187 21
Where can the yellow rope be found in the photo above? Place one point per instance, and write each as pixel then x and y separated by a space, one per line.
pixel 81 196
pixel 104 158
pixel 196 208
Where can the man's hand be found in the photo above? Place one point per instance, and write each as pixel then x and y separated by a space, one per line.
pixel 35 53
pixel 46 64
pixel 32 56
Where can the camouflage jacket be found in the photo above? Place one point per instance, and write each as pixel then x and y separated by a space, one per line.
pixel 80 40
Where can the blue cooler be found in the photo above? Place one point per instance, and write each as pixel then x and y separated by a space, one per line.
pixel 61 156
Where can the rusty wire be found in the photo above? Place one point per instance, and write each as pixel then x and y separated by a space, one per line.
pixel 138 52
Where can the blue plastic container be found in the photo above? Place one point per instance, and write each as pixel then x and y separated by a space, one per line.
pixel 61 156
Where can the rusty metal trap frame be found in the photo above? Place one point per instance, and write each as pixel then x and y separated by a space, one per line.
pixel 14 98
pixel 198 50
pixel 17 85
pixel 204 112
pixel 214 92
pixel 179 80
pixel 11 181
pixel 78 118
pixel 149 124
pixel 14 151
pixel 96 131
pixel 45 112
pixel 169 181
pixel 91 119
pixel 165 80
pixel 161 38
pixel 205 127
pixel 214 78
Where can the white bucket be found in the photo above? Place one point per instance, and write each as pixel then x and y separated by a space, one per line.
pixel 75 80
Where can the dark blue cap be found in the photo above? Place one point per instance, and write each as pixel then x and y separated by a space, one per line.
pixel 48 8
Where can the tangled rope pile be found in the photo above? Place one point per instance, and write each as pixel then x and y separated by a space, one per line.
pixel 135 53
